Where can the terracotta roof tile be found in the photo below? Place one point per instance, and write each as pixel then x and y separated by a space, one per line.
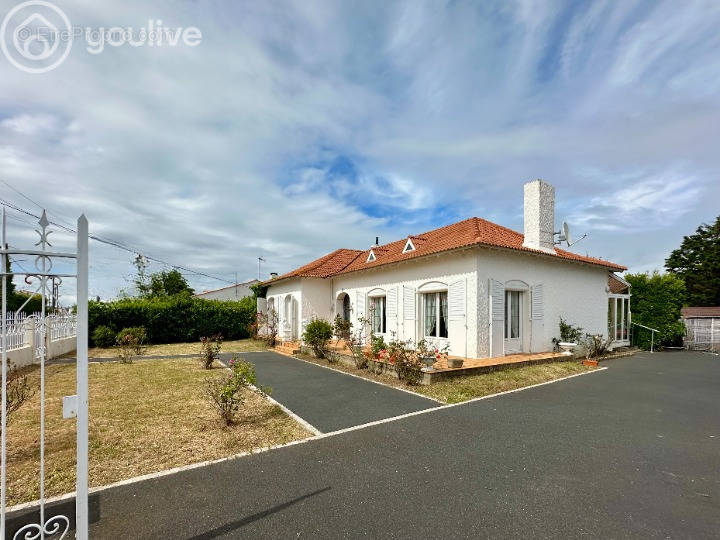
pixel 690 312
pixel 470 232
pixel 616 285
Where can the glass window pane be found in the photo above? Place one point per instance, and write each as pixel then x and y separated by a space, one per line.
pixel 430 314
pixel 507 315
pixel 626 317
pixel 383 321
pixel 443 314
pixel 514 314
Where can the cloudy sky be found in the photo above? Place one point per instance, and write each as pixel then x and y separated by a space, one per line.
pixel 295 128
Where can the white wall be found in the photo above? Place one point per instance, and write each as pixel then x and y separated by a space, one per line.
pixel 278 292
pixel 577 292
pixel 446 269
pixel 234 292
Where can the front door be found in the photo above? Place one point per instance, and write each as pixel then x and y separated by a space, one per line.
pixel 513 322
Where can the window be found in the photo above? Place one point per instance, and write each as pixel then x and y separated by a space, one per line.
pixel 377 311
pixel 371 256
pixel 512 314
pixel 346 307
pixel 435 314
pixel 409 246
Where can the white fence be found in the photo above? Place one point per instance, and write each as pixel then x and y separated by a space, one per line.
pixel 703 334
pixel 25 331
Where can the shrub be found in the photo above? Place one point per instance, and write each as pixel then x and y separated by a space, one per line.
pixel 596 345
pixel 178 318
pixel 406 362
pixel 18 390
pixel 104 336
pixel 318 334
pixel 377 344
pixel 568 334
pixel 356 344
pixel 266 325
pixel 342 329
pixel 131 342
pixel 226 392
pixel 210 349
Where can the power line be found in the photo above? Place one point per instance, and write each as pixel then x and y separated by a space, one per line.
pixel 110 242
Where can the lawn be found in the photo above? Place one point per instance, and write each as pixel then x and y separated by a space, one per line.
pixel 144 417
pixel 474 386
pixel 171 349
pixel 467 387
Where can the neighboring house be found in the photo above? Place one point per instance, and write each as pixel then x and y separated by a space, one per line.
pixel 233 292
pixel 702 325
pixel 481 288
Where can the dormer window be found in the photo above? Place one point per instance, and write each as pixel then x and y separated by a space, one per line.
pixel 371 256
pixel 409 246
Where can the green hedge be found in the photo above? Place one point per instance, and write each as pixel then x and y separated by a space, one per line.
pixel 176 319
pixel 655 302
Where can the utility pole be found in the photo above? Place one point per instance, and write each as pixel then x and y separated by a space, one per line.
pixel 260 259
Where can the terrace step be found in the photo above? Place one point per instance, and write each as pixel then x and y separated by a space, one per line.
pixel 288 347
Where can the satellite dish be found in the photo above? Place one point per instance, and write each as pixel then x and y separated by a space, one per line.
pixel 566 233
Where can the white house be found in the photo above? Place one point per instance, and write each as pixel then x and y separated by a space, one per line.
pixel 232 292
pixel 484 289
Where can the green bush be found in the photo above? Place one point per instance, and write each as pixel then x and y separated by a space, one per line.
pixel 318 334
pixel 177 318
pixel 104 336
pixel 655 302
pixel 131 342
pixel 226 392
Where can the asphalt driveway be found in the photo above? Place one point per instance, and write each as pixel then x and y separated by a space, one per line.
pixel 629 452
pixel 327 399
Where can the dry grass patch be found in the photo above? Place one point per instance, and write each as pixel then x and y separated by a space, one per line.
pixel 508 378
pixel 171 349
pixel 144 417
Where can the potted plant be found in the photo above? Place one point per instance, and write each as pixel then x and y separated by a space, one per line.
pixel 442 354
pixel 425 354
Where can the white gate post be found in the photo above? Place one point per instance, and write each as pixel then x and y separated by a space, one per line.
pixel 81 497
pixel 3 480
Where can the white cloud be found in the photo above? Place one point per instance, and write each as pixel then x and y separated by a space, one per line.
pixel 215 155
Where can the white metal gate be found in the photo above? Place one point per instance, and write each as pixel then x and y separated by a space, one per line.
pixel 43 277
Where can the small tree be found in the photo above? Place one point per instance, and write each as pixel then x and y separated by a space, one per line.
pixel 210 349
pixel 226 392
pixel 356 344
pixel 267 326
pixel 342 329
pixel 318 334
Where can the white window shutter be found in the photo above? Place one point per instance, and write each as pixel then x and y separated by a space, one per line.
pixel 538 307
pixel 360 304
pixel 391 309
pixel 408 303
pixel 497 294
pixel 456 300
pixel 497 316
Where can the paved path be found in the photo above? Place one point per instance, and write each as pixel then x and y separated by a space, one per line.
pixel 629 452
pixel 327 399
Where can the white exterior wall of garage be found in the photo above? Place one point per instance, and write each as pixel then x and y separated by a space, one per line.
pixel 575 291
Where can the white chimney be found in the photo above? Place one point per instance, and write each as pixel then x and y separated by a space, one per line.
pixel 539 216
